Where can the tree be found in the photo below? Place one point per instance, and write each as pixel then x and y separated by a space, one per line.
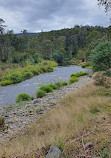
pixel 58 57
pixel 106 4
pixel 2 27
pixel 93 36
pixel 47 48
pixel 101 57
pixel 80 55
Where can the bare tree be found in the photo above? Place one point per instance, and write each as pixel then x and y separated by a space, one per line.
pixel 106 4
pixel 2 27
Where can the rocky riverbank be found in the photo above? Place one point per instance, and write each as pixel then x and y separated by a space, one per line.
pixel 17 117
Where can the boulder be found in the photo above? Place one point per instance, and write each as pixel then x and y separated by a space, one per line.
pixel 54 152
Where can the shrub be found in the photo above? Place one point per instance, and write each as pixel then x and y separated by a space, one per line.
pixel 73 79
pixel 23 97
pixel 79 74
pixel 98 78
pixel 58 84
pixel 58 57
pixel 2 122
pixel 64 83
pixel 47 88
pixel 19 74
pixel 40 93
pixel 108 73
pixel 53 86
pixel 5 83
pixel 13 76
pixel 101 79
pixel 27 74
pixel 84 65
pixel 101 57
pixel 16 77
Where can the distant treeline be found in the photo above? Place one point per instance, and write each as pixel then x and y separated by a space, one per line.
pixel 65 46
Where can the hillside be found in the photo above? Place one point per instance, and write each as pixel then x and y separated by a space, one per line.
pixel 66 46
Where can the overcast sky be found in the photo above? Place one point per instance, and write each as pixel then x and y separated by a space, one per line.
pixel 46 15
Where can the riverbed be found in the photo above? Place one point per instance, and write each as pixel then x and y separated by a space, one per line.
pixel 61 73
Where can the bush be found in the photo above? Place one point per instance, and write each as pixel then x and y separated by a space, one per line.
pixel 108 73
pixel 2 122
pixel 5 83
pixel 23 97
pixel 27 74
pixel 101 79
pixel 47 88
pixel 58 84
pixel 20 74
pixel 73 79
pixel 58 57
pixel 101 57
pixel 40 93
pixel 64 83
pixel 79 74
pixel 84 65
pixel 98 78
pixel 53 86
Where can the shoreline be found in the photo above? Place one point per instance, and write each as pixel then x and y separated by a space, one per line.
pixel 17 118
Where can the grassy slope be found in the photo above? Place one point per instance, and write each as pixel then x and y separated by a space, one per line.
pixel 79 118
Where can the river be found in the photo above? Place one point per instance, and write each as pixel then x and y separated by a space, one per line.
pixel 8 94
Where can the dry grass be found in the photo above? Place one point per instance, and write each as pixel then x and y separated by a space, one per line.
pixel 82 112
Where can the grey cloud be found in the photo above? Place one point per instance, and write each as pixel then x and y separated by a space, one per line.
pixel 35 15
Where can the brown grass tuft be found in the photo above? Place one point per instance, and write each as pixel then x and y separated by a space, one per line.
pixel 78 112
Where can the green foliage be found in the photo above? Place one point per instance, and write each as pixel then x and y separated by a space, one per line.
pixel 73 79
pixel 79 74
pixel 58 84
pixel 15 77
pixel 5 83
pixel 84 65
pixel 58 57
pixel 21 74
pixel 23 97
pixel 64 83
pixel 105 154
pixel 81 55
pixel 40 93
pixel 53 86
pixel 101 57
pixel 47 88
pixel 108 73
pixel 62 45
pixel 27 74
pixel 94 35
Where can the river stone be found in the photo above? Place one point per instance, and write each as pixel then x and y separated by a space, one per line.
pixel 88 145
pixel 36 101
pixel 54 152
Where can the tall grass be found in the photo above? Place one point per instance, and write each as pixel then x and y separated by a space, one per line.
pixel 41 92
pixel 74 114
pixel 20 74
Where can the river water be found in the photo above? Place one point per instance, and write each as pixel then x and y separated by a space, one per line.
pixel 8 94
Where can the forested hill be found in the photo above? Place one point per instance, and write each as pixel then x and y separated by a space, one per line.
pixel 65 46
pixel 29 33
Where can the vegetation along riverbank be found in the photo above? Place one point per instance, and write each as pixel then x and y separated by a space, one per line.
pixel 64 119
pixel 20 74
pixel 76 120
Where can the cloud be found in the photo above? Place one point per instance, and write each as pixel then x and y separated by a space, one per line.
pixel 36 15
